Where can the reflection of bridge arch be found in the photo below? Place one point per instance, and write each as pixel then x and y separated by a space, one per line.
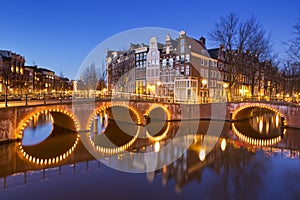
pixel 113 150
pixel 246 109
pixel 68 122
pixel 46 161
pixel 257 141
pixel 117 149
pixel 159 137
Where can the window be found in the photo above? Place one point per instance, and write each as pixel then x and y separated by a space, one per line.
pixel 164 62
pixel 182 59
pixel 152 53
pixel 182 41
pixel 182 49
pixel 171 62
pixel 187 57
pixel 137 57
pixel 145 55
pixel 157 62
pixel 177 59
pixel 152 62
pixel 202 62
pixel 177 71
pixel 206 73
pixel 187 70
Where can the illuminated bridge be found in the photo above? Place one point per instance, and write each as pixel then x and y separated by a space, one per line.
pixel 78 115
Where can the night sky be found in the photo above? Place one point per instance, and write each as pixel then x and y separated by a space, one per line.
pixel 60 34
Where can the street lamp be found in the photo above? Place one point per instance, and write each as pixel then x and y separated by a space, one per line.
pixel 225 86
pixel 158 83
pixel 204 82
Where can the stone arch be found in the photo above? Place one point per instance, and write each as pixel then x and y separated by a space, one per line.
pixel 158 106
pixel 109 105
pixel 62 118
pixel 244 109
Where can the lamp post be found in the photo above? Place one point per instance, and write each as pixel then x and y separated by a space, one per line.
pixel 225 86
pixel 158 83
pixel 204 82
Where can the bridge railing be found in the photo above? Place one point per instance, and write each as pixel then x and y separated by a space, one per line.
pixel 50 98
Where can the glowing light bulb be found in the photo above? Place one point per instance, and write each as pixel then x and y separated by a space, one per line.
pixel 202 155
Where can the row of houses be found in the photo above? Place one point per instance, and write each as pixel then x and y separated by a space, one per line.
pixel 16 78
pixel 181 68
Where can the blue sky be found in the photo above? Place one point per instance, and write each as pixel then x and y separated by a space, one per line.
pixel 60 34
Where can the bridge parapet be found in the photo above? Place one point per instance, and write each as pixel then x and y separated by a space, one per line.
pixel 12 119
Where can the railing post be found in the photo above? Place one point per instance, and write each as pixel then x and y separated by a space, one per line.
pixel 44 98
pixel 6 100
pixel 26 99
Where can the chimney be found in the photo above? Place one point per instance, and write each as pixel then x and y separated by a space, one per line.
pixel 202 40
pixel 181 33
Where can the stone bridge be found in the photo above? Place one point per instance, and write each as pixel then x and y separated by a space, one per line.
pixel 77 116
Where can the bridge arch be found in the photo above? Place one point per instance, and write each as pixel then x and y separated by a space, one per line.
pixel 57 114
pixel 243 110
pixel 158 106
pixel 167 118
pixel 110 105
pixel 117 149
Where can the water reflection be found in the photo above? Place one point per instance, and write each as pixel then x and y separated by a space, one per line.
pixel 261 129
pixel 45 143
pixel 232 169
pixel 265 122
pixel 38 129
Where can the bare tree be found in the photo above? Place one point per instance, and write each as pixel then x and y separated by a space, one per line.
pixel 246 46
pixel 225 33
pixel 90 77
pixel 293 46
pixel 6 75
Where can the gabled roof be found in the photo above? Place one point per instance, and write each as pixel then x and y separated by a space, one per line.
pixel 197 46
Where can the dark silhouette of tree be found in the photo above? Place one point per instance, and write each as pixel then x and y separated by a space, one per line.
pixel 246 47
pixel 6 75
pixel 293 46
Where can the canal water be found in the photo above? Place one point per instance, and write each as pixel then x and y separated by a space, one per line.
pixel 250 159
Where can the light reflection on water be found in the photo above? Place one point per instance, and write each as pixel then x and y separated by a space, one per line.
pixel 38 130
pixel 233 169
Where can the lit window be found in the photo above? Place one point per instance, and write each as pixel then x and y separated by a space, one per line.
pixel 187 57
pixel 164 62
pixel 157 61
pixel 187 70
